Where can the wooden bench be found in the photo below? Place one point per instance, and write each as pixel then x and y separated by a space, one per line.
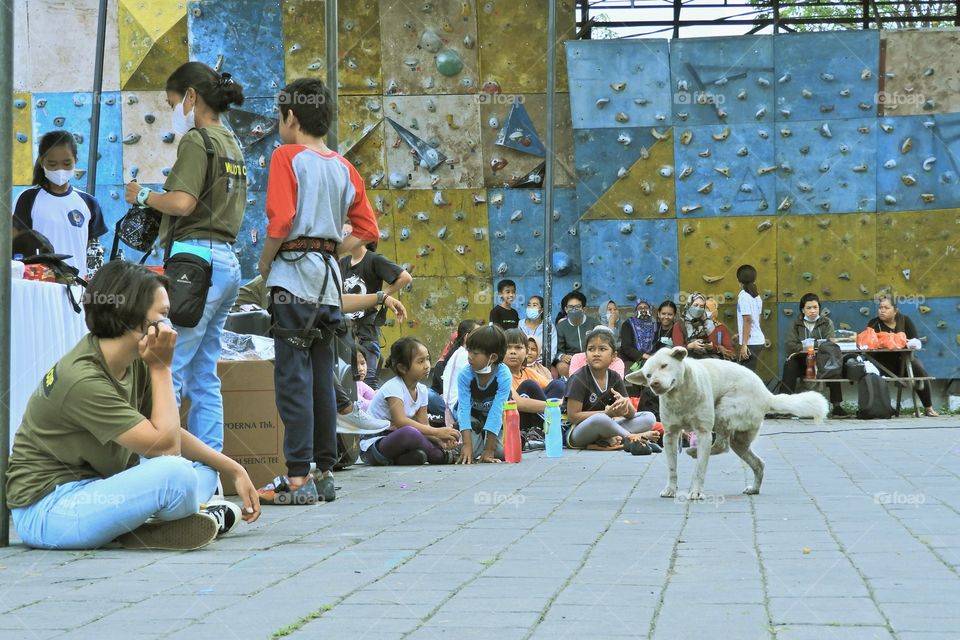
pixel 902 383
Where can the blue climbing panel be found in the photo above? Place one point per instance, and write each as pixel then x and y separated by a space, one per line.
pixel 617 83
pixel 826 75
pixel 246 35
pixel 826 166
pixel 516 233
pixel 722 80
pixel 724 170
pixel 251 124
pixel 71 112
pixel 918 165
pixel 628 259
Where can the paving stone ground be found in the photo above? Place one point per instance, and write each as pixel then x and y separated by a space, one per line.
pixel 856 535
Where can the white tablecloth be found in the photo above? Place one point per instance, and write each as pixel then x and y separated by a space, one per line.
pixel 44 327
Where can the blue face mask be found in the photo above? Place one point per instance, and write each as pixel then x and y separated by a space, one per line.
pixel 533 313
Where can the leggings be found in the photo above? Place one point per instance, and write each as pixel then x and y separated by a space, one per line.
pixel 385 450
pixel 601 426
pixel 530 389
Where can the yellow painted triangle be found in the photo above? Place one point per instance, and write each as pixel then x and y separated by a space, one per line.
pixel 631 190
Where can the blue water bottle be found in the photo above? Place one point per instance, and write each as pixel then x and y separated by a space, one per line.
pixel 554 435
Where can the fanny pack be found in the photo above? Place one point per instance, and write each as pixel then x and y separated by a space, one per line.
pixel 190 275
pixel 138 229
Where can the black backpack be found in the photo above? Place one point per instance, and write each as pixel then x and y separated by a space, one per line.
pixel 829 360
pixel 873 398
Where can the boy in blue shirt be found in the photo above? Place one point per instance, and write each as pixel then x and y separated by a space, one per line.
pixel 484 387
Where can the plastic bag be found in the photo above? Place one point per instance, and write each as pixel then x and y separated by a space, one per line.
pixel 886 340
pixel 237 346
pixel 914 344
pixel 867 339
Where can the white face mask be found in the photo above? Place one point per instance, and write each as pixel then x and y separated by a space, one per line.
pixel 59 178
pixel 487 369
pixel 181 122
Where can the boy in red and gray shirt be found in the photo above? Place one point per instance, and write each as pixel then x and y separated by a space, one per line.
pixel 312 193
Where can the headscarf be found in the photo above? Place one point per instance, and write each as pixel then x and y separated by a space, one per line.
pixel 698 328
pixel 644 331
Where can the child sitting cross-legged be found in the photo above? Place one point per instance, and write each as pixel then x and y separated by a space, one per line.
pixel 530 389
pixel 402 400
pixel 600 413
pixel 484 387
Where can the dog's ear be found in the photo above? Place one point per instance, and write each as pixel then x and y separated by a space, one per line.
pixel 637 377
pixel 679 353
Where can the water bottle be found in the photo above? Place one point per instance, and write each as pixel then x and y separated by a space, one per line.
pixel 811 372
pixel 512 445
pixel 552 431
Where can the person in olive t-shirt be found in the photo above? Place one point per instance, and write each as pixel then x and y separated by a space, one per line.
pixel 207 216
pixel 75 480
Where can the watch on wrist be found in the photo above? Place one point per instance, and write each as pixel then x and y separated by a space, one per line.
pixel 142 196
pixel 381 296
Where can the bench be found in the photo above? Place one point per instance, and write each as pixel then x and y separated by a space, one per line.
pixel 902 382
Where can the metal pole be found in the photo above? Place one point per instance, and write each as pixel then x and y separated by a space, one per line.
pixel 331 34
pixel 95 113
pixel 548 181
pixel 6 184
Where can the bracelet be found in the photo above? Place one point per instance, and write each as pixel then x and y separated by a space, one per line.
pixel 381 296
pixel 142 196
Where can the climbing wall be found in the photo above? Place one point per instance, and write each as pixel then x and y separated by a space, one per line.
pixel 826 160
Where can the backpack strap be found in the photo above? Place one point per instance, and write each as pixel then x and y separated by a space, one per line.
pixel 205 194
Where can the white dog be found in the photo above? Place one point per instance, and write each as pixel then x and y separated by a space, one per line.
pixel 715 399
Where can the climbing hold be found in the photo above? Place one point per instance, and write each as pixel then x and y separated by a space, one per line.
pixel 665 171
pixel 746 187
pixel 622 172
pixel 618 86
pixel 602 102
pixel 644 153
pixel 685 172
pixel 906 145
pixel 621 117
pixel 763 82
pixel 924 309
pixel 686 137
pixel 784 78
pixel 59 121
pixel 626 228
pixel 763 133
pixel 844 149
pixel 562 264
pixel 825 131
pixel 763 226
pixel 624 139
pixel 516 216
pixel 404 233
pixel 845 93
pixel 134 172
pixel 449 63
pixel 691 209
pixel 824 166
pixel 627 208
pixel 663 207
pixel 422 216
pixel 890 164
pixel 493 123
pixel 375 179
pixel 688 229
pixel 517 249
pixel 401 203
pixel 908 180
pixel 804 187
pixel 785 113
pixel 906 274
pixel 439 200
pixel 479 233
pixel 657 135
pixel 742 94
pixel 468 42
pixel 762 171
pixel 859 168
pixel 706 188
pixel 742 152
pixel 806 275
pixel 806 93
pixel 502 268
pixel 785 204
pixel 642 102
pixel 424 251
pixel 19 103
pixel 398 180
pixel 928 163
pixel 491 86
pixel 498 163
pixel 712 279
pixel 766 313
pixel 535 197
pixel 889 199
pixel 723 135
pixel 430 41
pixel 461 249
pixel 927 198
pixel 496 199
pixel 762 111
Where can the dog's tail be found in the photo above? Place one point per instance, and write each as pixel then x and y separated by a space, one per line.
pixel 808 404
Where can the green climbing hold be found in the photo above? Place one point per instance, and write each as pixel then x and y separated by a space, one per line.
pixel 807 276
pixel 449 63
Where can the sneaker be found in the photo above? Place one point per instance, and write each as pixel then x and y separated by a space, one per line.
pixel 839 412
pixel 411 458
pixel 218 492
pixel 226 513
pixel 278 492
pixel 360 422
pixel 323 484
pixel 186 534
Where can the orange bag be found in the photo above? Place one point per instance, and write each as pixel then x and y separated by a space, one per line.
pixel 867 339
pixel 887 340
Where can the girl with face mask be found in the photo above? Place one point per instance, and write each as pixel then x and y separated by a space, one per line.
pixel 71 219
pixel 810 323
pixel 638 335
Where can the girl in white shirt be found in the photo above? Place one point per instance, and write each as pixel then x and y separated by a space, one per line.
pixel 402 400
pixel 67 217
pixel 749 313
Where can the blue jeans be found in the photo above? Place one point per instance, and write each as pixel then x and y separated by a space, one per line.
pixel 198 349
pixel 90 513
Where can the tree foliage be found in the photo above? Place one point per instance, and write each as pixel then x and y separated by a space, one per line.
pixel 901 15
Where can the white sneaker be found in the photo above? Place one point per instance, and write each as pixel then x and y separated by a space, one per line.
pixel 359 422
pixel 226 513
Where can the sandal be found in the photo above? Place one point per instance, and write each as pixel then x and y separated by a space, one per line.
pixel 930 412
pixel 278 492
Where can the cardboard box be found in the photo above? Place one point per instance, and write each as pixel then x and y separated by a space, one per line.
pixel 252 431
